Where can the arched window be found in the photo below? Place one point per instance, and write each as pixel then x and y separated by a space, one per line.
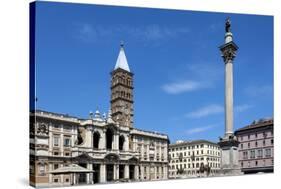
pixel 121 142
pixel 96 140
pixel 109 138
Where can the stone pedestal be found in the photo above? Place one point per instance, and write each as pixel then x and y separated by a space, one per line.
pixel 229 157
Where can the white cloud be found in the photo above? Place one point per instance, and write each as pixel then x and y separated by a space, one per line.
pixel 199 129
pixel 242 108
pixel 201 76
pixel 215 109
pixel 89 32
pixel 257 91
pixel 206 111
pixel 184 86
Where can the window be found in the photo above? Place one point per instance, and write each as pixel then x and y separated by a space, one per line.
pixel 67 154
pixel 56 166
pixel 56 180
pixel 56 141
pixel 241 145
pixel 67 180
pixel 271 141
pixel 260 153
pixel 122 142
pixel 252 156
pixel 256 143
pixel 263 142
pixel 245 155
pixel 96 140
pixel 249 137
pixel 67 127
pixel 249 145
pixel 256 163
pixel 41 169
pixel 268 152
pixel 201 151
pixel 66 142
pixel 256 135
pixel 56 153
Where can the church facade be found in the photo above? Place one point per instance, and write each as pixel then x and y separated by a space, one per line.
pixel 67 150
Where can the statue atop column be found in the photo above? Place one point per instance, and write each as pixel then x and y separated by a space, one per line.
pixel 227 25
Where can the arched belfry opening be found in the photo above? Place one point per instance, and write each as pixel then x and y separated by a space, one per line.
pixel 109 138
pixel 96 140
pixel 121 142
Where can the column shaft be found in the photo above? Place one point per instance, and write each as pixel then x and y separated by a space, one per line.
pixel 126 171
pixel 228 99
pixel 102 173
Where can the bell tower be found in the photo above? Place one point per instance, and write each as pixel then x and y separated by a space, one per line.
pixel 122 91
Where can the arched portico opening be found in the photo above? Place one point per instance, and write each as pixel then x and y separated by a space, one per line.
pixel 121 142
pixel 96 140
pixel 109 138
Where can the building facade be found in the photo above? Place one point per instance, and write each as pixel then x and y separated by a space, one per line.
pixel 67 150
pixel 194 158
pixel 256 146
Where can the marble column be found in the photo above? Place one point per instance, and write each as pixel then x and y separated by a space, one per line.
pixel 229 143
pixel 142 172
pixel 136 172
pixel 126 172
pixel 90 175
pixel 74 179
pixel 115 172
pixel 228 98
pixel 102 173
pixel 228 53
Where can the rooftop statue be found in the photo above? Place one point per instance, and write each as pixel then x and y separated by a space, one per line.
pixel 227 25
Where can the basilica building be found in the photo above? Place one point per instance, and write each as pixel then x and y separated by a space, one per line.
pixel 67 150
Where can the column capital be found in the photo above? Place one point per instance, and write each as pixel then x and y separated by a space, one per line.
pixel 228 51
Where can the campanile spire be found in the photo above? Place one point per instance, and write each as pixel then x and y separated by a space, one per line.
pixel 122 91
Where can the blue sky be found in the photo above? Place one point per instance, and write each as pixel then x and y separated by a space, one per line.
pixel 179 72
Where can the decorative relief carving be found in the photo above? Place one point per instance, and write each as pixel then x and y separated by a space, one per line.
pixel 43 129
